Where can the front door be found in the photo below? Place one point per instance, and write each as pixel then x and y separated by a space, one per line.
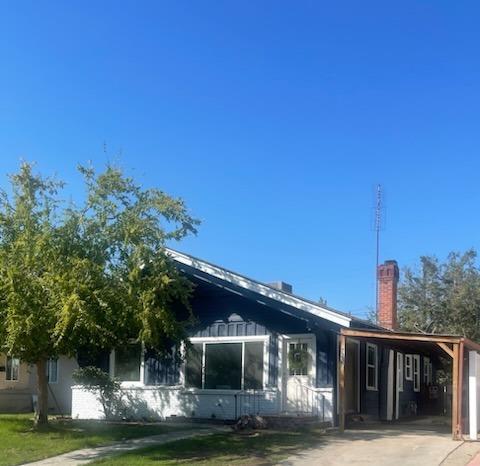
pixel 298 390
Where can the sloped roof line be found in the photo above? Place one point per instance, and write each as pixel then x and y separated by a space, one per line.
pixel 247 283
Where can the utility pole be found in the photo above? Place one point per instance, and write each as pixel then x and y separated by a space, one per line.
pixel 378 225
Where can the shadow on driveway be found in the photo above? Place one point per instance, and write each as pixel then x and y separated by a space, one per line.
pixel 399 444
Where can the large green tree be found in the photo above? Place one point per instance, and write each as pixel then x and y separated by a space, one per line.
pixel 442 297
pixel 92 274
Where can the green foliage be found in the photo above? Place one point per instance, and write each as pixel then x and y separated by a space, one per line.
pixel 298 359
pixel 442 297
pixel 99 382
pixel 89 275
pixel 95 274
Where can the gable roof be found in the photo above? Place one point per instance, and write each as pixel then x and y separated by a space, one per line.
pixel 241 281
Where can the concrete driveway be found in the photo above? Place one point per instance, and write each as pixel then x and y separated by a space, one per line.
pixel 386 445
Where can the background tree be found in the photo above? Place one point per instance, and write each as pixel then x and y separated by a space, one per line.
pixel 93 275
pixel 442 297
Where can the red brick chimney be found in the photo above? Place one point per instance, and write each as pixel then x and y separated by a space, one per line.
pixel 387 276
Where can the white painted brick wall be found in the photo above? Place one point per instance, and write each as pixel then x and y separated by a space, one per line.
pixel 162 402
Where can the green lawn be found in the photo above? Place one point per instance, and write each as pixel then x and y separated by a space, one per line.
pixel 262 448
pixel 20 442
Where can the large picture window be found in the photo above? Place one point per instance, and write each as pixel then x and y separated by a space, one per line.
pixel 229 365
pixel 12 369
pixel 372 366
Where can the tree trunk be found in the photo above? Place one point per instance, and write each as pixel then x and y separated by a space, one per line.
pixel 41 415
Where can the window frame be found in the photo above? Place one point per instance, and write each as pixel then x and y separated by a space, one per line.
pixel 13 358
pixel 409 367
pixel 416 373
pixel 215 340
pixel 49 362
pixel 374 366
pixel 129 383
pixel 427 371
pixel 400 371
pixel 303 344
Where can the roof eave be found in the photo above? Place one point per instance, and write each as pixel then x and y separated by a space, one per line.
pixel 264 290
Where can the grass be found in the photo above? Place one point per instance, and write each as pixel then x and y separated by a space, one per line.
pixel 261 448
pixel 21 442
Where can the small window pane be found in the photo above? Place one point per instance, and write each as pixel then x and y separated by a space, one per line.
pixel 416 373
pixel 193 369
pixel 13 367
pixel 371 355
pixel 298 359
pixel 253 365
pixel 408 367
pixel 400 371
pixel 223 366
pixel 371 382
pixel 372 362
pixel 52 370
pixel 127 363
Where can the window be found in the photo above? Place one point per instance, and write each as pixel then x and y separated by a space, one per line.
pixel 233 365
pixel 400 372
pixel 13 368
pixel 223 366
pixel 372 366
pixel 52 370
pixel 408 367
pixel 193 367
pixel 127 361
pixel 298 359
pixel 427 371
pixel 254 365
pixel 416 373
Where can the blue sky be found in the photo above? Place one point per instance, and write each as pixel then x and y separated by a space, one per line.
pixel 273 120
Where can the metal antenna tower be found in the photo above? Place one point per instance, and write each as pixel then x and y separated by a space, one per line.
pixel 378 227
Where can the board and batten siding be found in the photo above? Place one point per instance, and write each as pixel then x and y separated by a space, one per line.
pixel 374 402
pixel 223 315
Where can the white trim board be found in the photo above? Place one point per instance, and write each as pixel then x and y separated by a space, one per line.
pixel 264 290
pixel 390 385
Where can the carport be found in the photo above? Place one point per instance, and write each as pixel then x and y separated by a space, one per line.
pixel 465 370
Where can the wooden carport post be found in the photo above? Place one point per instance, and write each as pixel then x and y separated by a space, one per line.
pixel 341 385
pixel 456 393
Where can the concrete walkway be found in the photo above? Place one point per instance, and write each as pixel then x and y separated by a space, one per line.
pixel 382 445
pixel 84 456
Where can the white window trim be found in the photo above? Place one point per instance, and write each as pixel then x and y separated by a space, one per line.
pixel 312 350
pixel 229 339
pixel 48 370
pixel 409 365
pixel 6 369
pixel 416 373
pixel 131 383
pixel 427 370
pixel 400 374
pixel 375 366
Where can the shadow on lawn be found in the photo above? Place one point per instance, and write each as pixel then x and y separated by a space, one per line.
pixel 261 448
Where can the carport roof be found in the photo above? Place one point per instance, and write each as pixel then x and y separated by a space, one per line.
pixel 409 337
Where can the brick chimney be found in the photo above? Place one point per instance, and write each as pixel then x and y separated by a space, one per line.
pixel 387 276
